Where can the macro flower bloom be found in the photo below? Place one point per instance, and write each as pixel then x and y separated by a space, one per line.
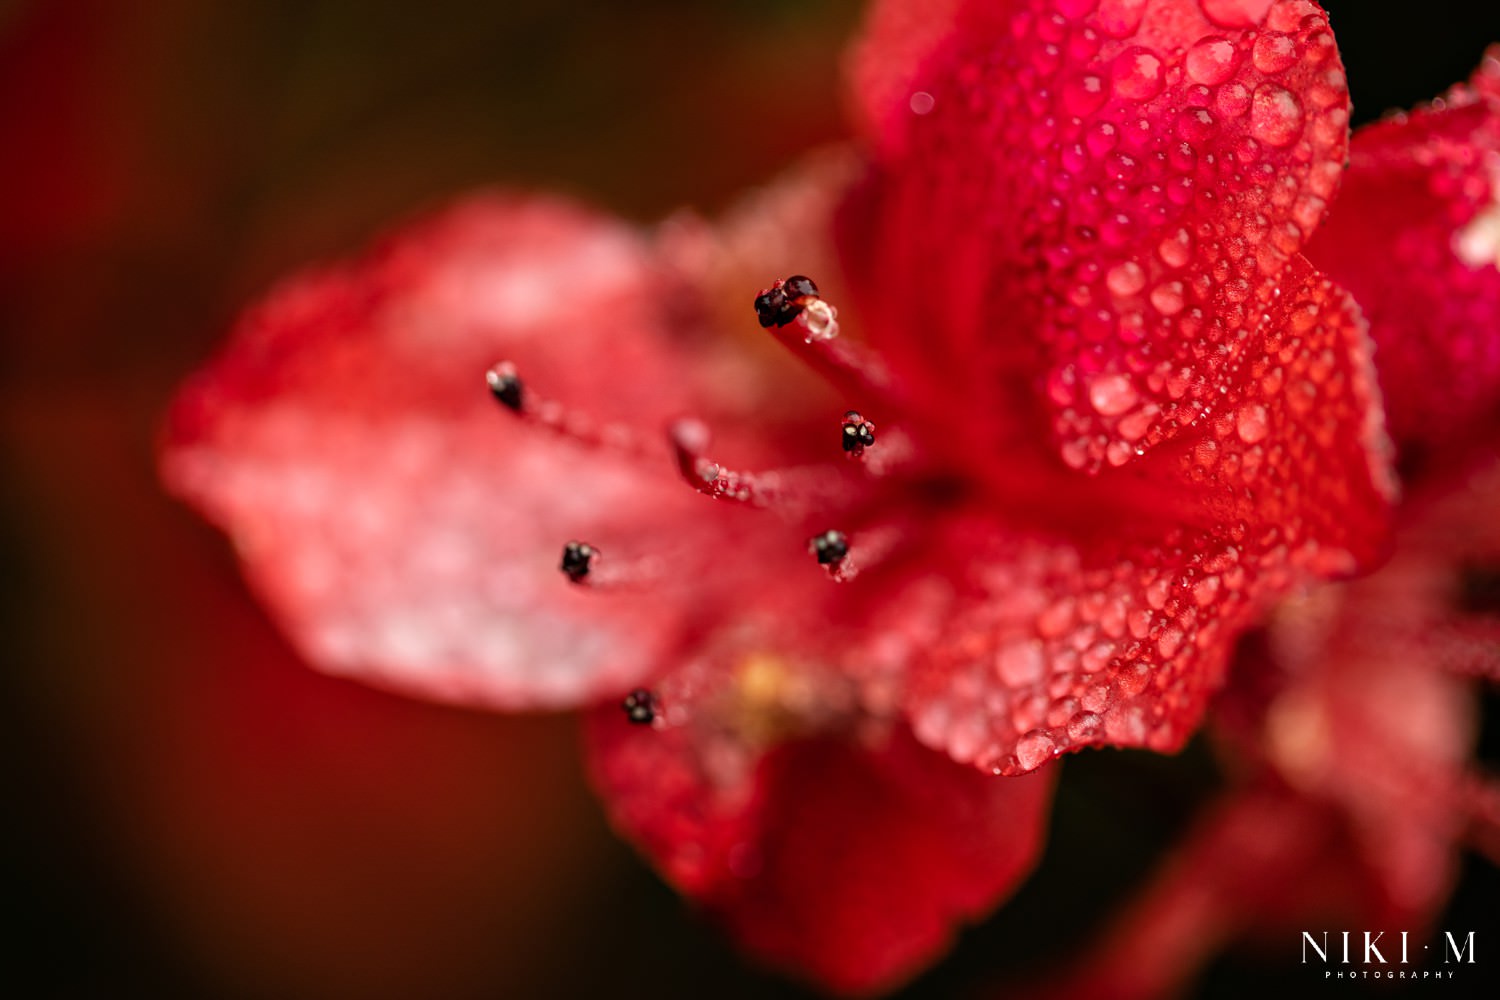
pixel 1085 413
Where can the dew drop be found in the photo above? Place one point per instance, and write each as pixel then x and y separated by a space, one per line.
pixel 1118 453
pixel 1034 749
pixel 1098 697
pixel 1126 279
pixel 1020 665
pixel 1138 74
pixel 1084 726
pixel 1211 61
pixel 1288 15
pixel 1167 298
pixel 1112 395
pixel 1096 657
pixel 1276 117
pixel 1252 424
pixel 1177 249
pixel 1274 53
pixel 1134 678
pixel 922 103
pixel 1056 618
pixel 1232 100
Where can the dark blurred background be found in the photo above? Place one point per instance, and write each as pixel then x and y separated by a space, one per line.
pixel 193 812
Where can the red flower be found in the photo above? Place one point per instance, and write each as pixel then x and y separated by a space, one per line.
pixel 1107 414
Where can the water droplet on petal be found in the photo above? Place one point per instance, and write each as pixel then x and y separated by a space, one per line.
pixel 1252 424
pixel 1276 117
pixel 1126 279
pixel 1167 298
pixel 1211 61
pixel 1112 395
pixel 1034 749
pixel 1177 249
pixel 1084 726
pixel 1232 100
pixel 1137 74
pixel 1020 665
pixel 1274 53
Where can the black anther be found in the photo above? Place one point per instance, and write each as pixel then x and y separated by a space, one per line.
pixel 577 559
pixel 640 707
pixel 858 433
pixel 506 385
pixel 830 547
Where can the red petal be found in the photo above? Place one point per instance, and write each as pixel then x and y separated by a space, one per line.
pixel 849 862
pixel 403 527
pixel 1415 235
pixel 1104 194
pixel 1117 632
pixel 896 39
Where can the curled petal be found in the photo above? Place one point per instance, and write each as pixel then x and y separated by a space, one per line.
pixel 848 861
pixel 1415 235
pixel 1107 193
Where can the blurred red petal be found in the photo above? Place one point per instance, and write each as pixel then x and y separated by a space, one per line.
pixel 849 861
pixel 1415 235
pixel 404 528
pixel 1081 224
pixel 896 39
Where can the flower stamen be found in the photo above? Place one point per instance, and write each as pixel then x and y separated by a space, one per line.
pixel 797 298
pixel 577 560
pixel 511 392
pixel 790 492
pixel 841 363
pixel 505 384
pixel 830 548
pixel 857 435
pixel 785 300
pixel 585 566
pixel 641 707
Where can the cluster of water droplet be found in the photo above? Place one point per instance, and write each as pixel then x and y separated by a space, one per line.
pixel 1171 167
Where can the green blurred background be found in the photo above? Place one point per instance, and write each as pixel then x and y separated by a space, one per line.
pixel 192 812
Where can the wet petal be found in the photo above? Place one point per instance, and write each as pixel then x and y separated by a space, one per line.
pixel 1081 233
pixel 1415 235
pixel 402 526
pixel 848 860
pixel 1117 631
